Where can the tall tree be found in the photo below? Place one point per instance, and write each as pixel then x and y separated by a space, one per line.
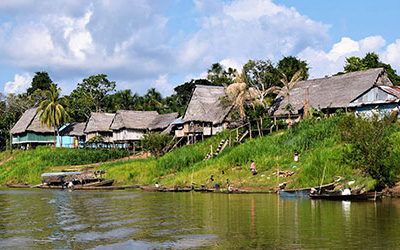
pixel 95 88
pixel 369 61
pixel 41 81
pixel 220 76
pixel 52 113
pixel 290 65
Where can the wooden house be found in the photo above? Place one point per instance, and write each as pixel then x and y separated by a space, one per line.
pixel 29 132
pixel 327 94
pixel 205 114
pixel 98 128
pixel 72 135
pixel 378 100
pixel 130 126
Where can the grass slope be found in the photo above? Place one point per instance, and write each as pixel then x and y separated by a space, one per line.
pixel 317 141
pixel 27 166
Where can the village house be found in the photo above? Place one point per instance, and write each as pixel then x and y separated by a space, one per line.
pixel 328 94
pixel 29 132
pixel 72 135
pixel 98 128
pixel 130 126
pixel 205 115
pixel 378 100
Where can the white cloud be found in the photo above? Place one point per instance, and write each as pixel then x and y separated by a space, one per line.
pixel 162 85
pixel 250 29
pixel 19 85
pixel 327 63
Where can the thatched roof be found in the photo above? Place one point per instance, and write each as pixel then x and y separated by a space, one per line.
pixel 163 121
pixel 330 92
pixel 99 122
pixel 30 122
pixel 74 129
pixel 205 105
pixel 142 120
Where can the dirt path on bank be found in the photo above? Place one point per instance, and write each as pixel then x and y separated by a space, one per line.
pixel 142 155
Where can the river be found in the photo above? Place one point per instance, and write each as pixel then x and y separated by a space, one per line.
pixel 50 219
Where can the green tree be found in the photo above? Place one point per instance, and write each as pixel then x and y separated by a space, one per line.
pixel 290 65
pixel 52 113
pixel 41 81
pixel 220 76
pixel 155 143
pixel 370 61
pixel 95 89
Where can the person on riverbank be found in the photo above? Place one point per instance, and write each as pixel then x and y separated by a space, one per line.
pixel 253 167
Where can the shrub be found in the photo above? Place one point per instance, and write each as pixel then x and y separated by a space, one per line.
pixel 369 148
pixel 156 143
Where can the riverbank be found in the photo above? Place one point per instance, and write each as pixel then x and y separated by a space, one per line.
pixel 318 142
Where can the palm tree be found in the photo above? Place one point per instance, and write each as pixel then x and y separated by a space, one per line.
pixel 288 85
pixel 52 113
pixel 240 94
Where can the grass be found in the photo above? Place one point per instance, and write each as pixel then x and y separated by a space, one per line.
pixel 317 141
pixel 27 166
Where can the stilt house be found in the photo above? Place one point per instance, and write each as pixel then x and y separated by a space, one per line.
pixel 205 115
pixel 98 128
pixel 29 132
pixel 328 94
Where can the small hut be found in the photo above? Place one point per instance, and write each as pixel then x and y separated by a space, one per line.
pixel 29 132
pixel 205 114
pixel 98 129
pixel 72 135
pixel 327 94
pixel 129 126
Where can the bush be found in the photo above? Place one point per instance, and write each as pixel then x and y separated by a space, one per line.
pixel 64 156
pixel 156 143
pixel 369 148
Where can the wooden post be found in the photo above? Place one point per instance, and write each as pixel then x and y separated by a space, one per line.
pixel 258 127
pixel 250 129
pixel 261 124
pixel 237 134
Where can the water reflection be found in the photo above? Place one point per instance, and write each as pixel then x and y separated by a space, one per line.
pixel 134 220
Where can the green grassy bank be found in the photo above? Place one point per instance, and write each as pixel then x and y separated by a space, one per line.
pixel 322 154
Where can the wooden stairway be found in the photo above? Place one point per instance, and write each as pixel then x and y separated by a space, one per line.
pixel 221 146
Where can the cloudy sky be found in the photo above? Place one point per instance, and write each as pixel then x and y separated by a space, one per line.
pixel 162 43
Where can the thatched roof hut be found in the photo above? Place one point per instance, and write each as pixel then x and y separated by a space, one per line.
pixel 74 129
pixel 99 122
pixel 329 92
pixel 30 122
pixel 142 120
pixel 206 105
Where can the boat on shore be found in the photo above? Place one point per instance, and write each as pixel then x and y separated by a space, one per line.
pixel 74 180
pixel 304 192
pixel 368 196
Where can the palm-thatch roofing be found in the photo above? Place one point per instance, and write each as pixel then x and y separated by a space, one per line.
pixel 74 129
pixel 163 121
pixel 206 105
pixel 99 122
pixel 329 92
pixel 142 120
pixel 30 122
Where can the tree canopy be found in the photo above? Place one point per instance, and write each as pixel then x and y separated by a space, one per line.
pixel 41 81
pixel 369 61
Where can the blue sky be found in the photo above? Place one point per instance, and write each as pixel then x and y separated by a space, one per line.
pixel 163 43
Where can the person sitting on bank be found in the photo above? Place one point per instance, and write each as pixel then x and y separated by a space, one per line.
pixel 253 167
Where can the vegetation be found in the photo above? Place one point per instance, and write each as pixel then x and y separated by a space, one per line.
pixel 27 166
pixel 156 143
pixel 370 147
pixel 52 113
